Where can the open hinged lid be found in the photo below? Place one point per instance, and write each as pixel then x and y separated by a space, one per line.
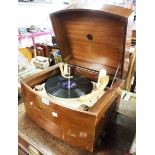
pixel 94 37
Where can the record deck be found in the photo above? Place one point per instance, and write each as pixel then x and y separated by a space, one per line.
pixel 76 99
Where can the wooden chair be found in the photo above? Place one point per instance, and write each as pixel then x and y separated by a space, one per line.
pixel 42 50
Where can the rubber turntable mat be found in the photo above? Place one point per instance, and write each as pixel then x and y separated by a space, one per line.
pixel 68 88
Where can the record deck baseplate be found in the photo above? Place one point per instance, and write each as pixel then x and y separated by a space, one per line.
pixel 69 92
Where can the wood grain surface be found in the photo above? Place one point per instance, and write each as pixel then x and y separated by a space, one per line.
pixel 95 38
pixel 117 140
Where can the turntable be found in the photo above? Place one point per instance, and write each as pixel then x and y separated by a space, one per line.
pixel 75 100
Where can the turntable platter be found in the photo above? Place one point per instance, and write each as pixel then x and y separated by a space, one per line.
pixel 68 88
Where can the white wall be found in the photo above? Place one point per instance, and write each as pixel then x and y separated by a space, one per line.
pixel 36 13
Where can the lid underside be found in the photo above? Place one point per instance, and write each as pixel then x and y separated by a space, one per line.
pixel 91 39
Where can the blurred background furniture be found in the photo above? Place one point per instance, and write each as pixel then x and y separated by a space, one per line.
pixel 33 36
pixel 130 81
